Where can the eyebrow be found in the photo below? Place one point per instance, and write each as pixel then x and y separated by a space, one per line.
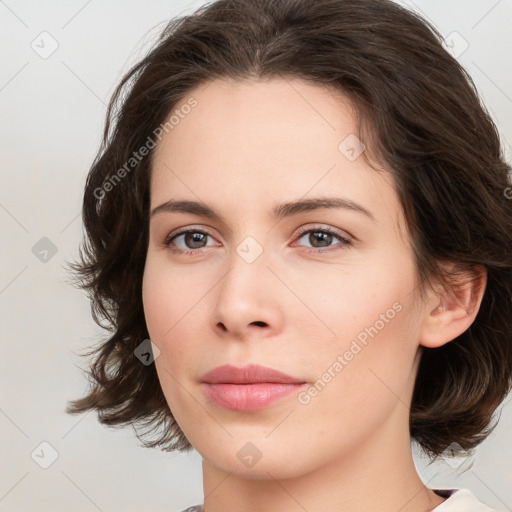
pixel 278 212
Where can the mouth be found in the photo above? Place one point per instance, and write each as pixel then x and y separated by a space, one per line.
pixel 250 388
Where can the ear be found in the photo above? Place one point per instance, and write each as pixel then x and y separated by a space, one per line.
pixel 448 313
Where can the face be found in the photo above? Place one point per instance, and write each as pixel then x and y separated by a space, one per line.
pixel 326 295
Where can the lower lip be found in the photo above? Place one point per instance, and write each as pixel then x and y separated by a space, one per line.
pixel 248 397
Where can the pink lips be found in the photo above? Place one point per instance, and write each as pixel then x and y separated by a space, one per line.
pixel 250 388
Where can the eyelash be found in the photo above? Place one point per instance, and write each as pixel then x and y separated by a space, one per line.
pixel 345 242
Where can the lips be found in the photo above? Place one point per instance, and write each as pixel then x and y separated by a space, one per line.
pixel 250 374
pixel 250 388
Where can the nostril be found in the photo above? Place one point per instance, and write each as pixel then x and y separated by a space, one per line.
pixel 260 324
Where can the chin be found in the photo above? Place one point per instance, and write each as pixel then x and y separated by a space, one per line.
pixel 245 461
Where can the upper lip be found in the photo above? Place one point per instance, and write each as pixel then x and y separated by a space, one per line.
pixel 250 374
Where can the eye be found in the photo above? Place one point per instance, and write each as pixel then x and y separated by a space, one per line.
pixel 321 238
pixel 192 238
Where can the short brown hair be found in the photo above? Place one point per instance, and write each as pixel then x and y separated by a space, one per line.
pixel 419 113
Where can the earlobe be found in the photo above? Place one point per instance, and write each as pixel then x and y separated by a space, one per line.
pixel 450 312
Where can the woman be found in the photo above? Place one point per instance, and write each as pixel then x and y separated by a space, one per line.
pixel 299 230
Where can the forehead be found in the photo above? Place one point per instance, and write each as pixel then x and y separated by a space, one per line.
pixel 256 143
pixel 232 117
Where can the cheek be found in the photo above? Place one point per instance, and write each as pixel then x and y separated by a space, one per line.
pixel 166 298
pixel 155 299
pixel 173 310
pixel 376 335
pixel 359 382
pixel 348 300
pixel 163 311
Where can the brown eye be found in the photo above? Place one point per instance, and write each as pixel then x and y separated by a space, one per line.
pixel 323 238
pixel 194 240
pixel 190 240
pixel 319 237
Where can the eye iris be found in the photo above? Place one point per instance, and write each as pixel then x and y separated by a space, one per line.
pixel 315 236
pixel 192 238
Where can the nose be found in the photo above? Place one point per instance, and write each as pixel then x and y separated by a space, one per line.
pixel 249 300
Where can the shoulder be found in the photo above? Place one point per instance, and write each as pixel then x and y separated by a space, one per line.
pixel 460 500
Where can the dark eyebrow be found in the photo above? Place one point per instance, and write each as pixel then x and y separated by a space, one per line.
pixel 306 205
pixel 279 211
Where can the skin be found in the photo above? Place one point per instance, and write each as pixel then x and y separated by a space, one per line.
pixel 244 148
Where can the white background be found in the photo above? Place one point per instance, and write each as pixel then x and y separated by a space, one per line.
pixel 52 113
